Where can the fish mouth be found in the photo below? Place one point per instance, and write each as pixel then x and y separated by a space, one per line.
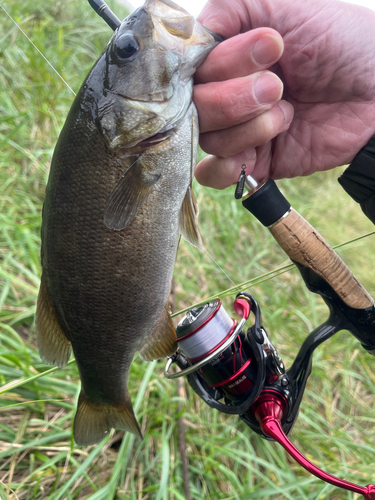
pixel 162 96
pixel 155 139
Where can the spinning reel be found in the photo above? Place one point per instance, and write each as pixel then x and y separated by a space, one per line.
pixel 238 371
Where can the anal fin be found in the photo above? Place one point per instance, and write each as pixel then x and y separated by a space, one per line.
pixel 162 341
pixel 54 347
pixel 93 421
pixel 188 219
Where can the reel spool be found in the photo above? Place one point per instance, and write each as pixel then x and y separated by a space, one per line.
pixel 220 360
pixel 201 332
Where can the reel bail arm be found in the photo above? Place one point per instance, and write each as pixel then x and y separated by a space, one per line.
pixel 234 370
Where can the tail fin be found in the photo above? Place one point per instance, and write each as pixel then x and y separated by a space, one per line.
pixel 93 421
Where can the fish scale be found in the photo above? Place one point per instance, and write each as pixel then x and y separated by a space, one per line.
pixel 116 202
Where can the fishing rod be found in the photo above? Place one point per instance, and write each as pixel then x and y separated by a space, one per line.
pixel 238 371
pixel 102 9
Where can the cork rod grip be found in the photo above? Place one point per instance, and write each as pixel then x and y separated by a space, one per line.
pixel 305 245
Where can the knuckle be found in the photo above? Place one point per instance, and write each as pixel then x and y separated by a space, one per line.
pixel 207 142
pixel 228 107
pixel 270 125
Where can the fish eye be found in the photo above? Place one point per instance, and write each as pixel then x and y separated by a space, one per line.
pixel 126 46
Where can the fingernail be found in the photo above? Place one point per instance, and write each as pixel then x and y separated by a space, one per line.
pixel 267 50
pixel 250 154
pixel 268 88
pixel 287 110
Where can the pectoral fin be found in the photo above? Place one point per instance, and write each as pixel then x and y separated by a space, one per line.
pixel 54 347
pixel 188 220
pixel 162 341
pixel 127 197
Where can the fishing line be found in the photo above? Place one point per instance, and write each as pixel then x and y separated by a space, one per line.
pixel 33 44
pixel 277 271
pixel 222 270
pixel 66 83
pixel 263 277
pixel 200 342
pixel 243 286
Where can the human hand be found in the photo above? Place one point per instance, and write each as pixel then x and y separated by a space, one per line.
pixel 327 70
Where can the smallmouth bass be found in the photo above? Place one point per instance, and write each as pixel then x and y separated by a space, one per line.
pixel 118 196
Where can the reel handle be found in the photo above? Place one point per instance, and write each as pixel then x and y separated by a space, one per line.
pixel 268 410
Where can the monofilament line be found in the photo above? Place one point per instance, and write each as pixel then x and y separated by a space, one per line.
pixel 221 269
pixel 33 44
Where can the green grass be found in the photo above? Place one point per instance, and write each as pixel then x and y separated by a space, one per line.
pixel 38 458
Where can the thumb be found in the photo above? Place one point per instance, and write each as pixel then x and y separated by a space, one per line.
pixel 229 18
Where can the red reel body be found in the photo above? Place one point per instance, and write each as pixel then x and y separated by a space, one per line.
pixel 248 373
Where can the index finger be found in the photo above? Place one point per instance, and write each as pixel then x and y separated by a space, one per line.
pixel 241 55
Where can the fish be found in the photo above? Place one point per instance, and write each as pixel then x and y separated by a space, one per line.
pixel 118 196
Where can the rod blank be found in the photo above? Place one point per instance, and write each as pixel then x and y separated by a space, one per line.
pixel 102 9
